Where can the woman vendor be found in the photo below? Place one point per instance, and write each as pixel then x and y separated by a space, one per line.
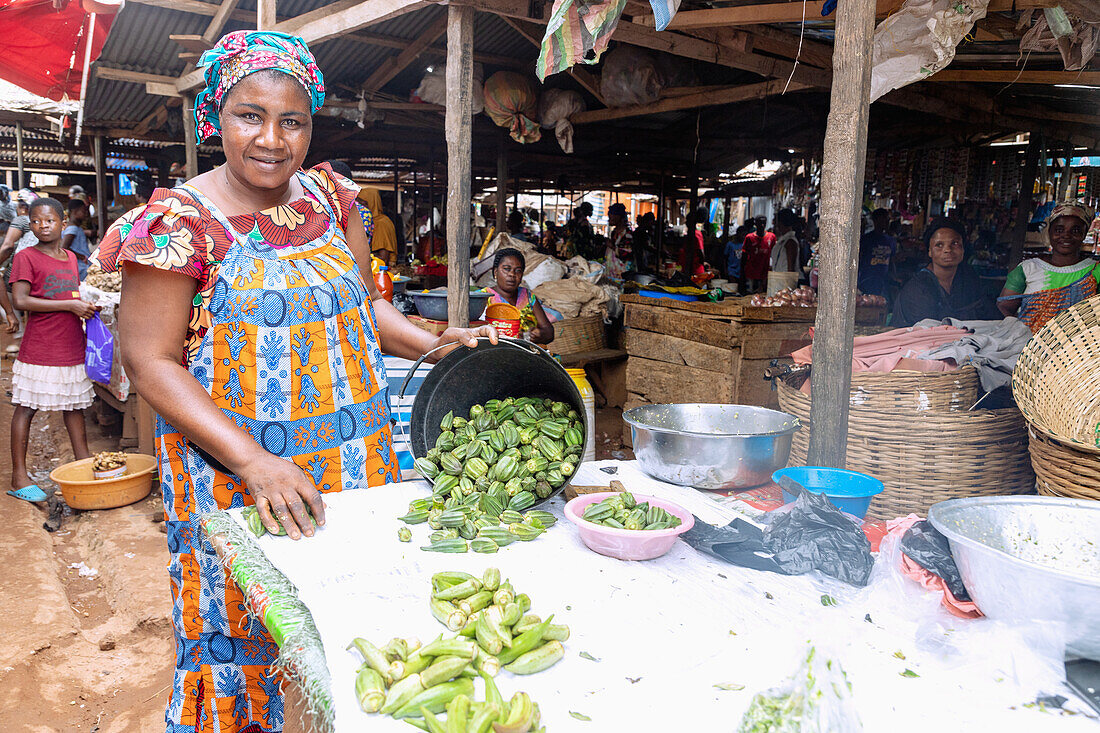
pixel 508 267
pixel 251 330
pixel 947 287
pixel 1042 287
pixel 619 256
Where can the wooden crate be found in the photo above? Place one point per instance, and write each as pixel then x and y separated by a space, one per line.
pixel 711 352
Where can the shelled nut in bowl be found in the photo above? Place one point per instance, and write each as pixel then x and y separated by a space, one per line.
pixel 627 544
pixel 83 491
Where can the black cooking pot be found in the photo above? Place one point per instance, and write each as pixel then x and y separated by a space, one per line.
pixel 467 377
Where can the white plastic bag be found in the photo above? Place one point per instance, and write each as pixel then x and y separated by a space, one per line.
pixel 815 699
pixel 433 87
pixel 556 106
pixel 630 76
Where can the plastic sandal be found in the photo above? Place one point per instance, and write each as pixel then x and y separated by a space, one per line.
pixel 30 493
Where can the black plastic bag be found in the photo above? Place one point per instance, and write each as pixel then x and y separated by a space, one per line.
pixel 812 535
pixel 815 535
pixel 925 546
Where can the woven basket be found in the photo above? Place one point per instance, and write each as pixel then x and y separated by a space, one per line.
pixel 1056 382
pixel 924 456
pixel 1062 470
pixel 577 335
pixel 937 391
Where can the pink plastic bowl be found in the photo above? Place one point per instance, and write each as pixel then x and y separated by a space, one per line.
pixel 627 544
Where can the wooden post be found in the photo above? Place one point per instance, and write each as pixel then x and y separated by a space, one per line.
pixel 431 198
pixel 398 220
pixel 101 197
pixel 841 197
pixel 660 223
pixel 403 249
pixel 20 179
pixel 1064 184
pixel 1027 196
pixel 726 218
pixel 265 15
pixel 459 126
pixel 190 142
pixel 502 184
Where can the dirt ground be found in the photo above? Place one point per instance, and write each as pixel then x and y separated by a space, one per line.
pixel 93 651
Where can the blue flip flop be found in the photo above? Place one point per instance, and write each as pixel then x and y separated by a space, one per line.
pixel 30 493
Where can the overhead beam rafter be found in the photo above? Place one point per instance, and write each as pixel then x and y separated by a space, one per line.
pixel 397 63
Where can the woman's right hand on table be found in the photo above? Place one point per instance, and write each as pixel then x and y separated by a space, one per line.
pixel 283 492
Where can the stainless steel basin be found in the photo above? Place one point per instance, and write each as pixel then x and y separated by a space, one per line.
pixel 1030 558
pixel 716 447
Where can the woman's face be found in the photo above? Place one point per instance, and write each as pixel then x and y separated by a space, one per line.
pixel 1067 234
pixel 509 274
pixel 946 248
pixel 266 129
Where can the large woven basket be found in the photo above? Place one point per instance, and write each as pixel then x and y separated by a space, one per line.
pixel 924 456
pixel 938 391
pixel 578 335
pixel 1062 470
pixel 1056 382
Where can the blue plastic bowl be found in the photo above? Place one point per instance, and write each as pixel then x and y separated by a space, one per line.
pixel 849 491
pixel 662 294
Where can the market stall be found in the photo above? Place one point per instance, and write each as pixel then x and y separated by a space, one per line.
pixel 713 352
pixel 681 640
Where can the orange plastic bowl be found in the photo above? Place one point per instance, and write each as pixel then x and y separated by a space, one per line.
pixel 83 491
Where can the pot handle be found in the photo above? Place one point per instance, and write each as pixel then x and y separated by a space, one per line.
pixel 517 343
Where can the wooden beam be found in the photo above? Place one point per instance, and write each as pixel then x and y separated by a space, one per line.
pixel 214 28
pixel 781 43
pixel 20 177
pixel 841 199
pixel 378 39
pixel 191 42
pixel 346 16
pixel 1012 76
pixel 190 140
pixel 155 119
pixel 195 7
pixel 161 90
pixel 459 131
pixel 138 77
pixel 99 160
pixel 707 98
pixel 533 33
pixel 265 15
pixel 1027 194
pixel 792 12
pixel 397 63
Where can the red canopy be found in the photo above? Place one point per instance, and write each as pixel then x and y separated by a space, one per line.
pixel 43 48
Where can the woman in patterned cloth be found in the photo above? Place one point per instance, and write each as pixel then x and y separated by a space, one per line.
pixel 1042 287
pixel 252 332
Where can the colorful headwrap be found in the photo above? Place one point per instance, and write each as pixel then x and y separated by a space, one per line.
pixel 241 53
pixel 1068 208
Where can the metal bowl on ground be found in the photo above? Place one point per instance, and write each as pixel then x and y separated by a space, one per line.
pixel 715 447
pixel 433 304
pixel 1030 558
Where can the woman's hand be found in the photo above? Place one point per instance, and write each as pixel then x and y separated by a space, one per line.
pixel 283 492
pixel 463 336
pixel 13 323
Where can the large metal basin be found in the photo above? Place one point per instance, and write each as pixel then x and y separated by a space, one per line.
pixel 716 447
pixel 1030 558
pixel 433 304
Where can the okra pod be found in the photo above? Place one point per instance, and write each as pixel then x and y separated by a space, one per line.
pixel 527 641
pixel 483 632
pixel 487 663
pixel 436 699
pixel 455 545
pixel 556 632
pixel 447 578
pixel 512 614
pixel 401 692
pixel 521 715
pixel 471 621
pixel 370 689
pixel 442 670
pixel 490 579
pixel 431 723
pixel 419 724
pixel 529 620
pixel 255 525
pixel 447 614
pixel 494 617
pixel 374 657
pixel 455 647
pixel 492 693
pixel 504 594
pixel 404 534
pixel 458 714
pixel 524 602
pixel 395 649
pixel 399 670
pixel 542 658
pixel 462 590
pixel 484 545
pixel 484 718
pixel 476 602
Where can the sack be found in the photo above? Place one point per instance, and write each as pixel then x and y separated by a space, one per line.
pixel 99 350
pixel 512 103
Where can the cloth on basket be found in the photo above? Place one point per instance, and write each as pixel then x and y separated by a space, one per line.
pixel 991 346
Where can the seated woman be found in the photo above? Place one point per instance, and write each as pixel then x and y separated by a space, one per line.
pixel 947 287
pixel 508 267
pixel 1042 287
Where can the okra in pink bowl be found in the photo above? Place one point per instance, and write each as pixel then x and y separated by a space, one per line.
pixel 628 544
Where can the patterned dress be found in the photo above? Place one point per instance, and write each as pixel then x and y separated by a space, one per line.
pixel 283 338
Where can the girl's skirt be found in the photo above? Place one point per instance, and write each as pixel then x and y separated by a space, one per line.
pixel 51 387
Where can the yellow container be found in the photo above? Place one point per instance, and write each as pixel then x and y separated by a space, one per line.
pixel 588 395
pixel 83 491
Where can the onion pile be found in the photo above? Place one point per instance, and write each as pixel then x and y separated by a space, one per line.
pixel 802 296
